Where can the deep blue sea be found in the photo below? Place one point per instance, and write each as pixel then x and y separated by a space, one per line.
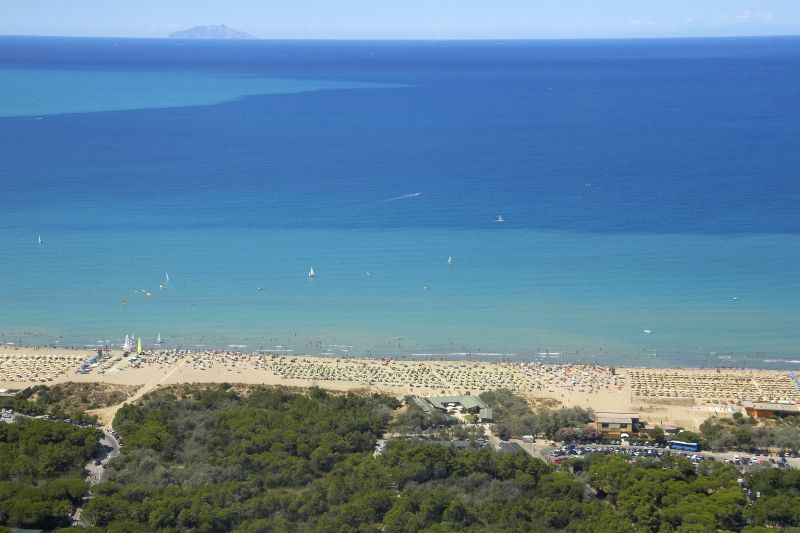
pixel 650 192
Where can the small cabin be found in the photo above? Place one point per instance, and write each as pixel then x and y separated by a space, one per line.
pixel 613 425
pixel 771 409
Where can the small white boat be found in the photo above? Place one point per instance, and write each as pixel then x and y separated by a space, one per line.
pixel 450 260
pixel 499 219
pixel 311 273
pixel 40 240
pixel 259 289
pixel 159 342
pixel 647 332
pixel 166 277
pixel 128 345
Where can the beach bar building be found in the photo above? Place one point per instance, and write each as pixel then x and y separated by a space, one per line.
pixel 612 425
pixel 770 409
pixel 461 404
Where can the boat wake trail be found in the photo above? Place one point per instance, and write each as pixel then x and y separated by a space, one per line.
pixel 404 197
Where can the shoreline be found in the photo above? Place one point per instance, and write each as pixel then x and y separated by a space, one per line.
pixel 554 358
pixel 675 396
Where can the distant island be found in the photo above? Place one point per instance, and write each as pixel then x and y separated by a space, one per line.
pixel 219 31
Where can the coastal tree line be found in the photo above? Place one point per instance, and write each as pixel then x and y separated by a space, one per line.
pixel 268 460
pixel 221 458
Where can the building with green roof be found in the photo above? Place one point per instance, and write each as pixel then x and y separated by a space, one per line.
pixel 464 404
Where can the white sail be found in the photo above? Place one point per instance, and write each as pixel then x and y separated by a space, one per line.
pixel 500 219
pixel 450 260
pixel 127 346
pixel 311 273
pixel 158 340
pixel 40 239
pixel 166 276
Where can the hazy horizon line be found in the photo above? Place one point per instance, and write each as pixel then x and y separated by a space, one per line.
pixel 412 39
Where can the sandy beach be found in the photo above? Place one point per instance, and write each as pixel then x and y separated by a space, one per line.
pixel 663 396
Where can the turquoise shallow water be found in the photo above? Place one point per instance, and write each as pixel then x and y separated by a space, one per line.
pixel 644 185
pixel 30 92
pixel 509 291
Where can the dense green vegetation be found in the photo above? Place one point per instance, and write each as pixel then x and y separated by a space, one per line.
pixel 745 433
pixel 269 437
pixel 514 418
pixel 779 504
pixel 267 460
pixel 41 471
pixel 257 459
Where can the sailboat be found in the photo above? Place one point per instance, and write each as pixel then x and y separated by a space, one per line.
pixel 311 273
pixel 500 219
pixel 450 260
pixel 166 277
pixel 124 300
pixel 127 346
pixel 159 342
pixel 139 346
pixel 40 240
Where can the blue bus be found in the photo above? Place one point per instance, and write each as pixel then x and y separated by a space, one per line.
pixel 685 446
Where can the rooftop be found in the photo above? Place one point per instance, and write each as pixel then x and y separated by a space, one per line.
pixel 616 418
pixel 772 406
pixel 422 405
pixel 468 402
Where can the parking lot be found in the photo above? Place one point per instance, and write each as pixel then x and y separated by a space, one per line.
pixel 555 453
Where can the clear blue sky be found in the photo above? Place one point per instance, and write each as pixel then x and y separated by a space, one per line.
pixel 405 19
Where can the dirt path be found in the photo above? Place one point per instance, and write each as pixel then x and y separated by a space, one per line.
pixel 106 414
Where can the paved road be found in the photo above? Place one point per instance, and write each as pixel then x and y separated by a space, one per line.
pixel 109 449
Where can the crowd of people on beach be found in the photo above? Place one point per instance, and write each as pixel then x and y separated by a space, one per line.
pixel 721 385
pixel 717 386
pixel 461 376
